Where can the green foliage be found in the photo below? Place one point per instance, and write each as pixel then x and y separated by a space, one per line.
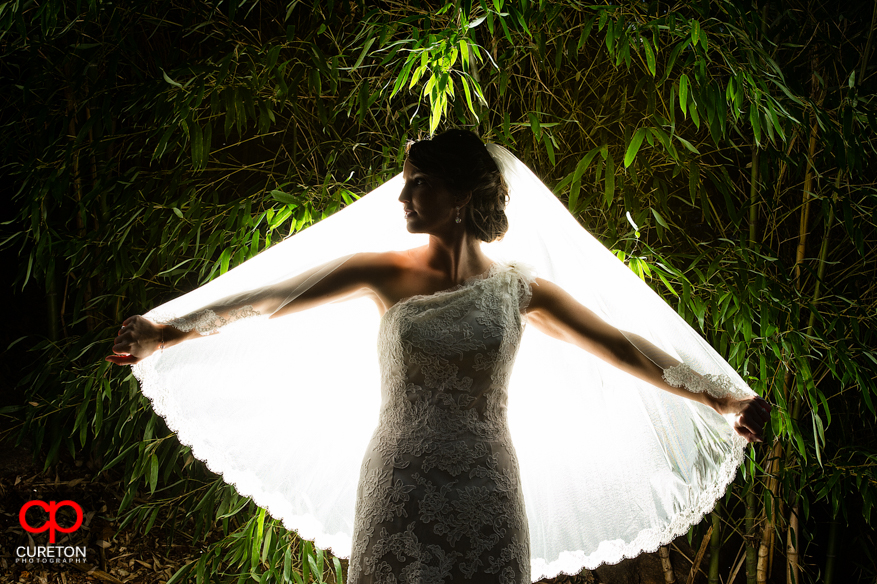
pixel 154 149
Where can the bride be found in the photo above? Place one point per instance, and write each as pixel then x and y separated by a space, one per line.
pixel 441 494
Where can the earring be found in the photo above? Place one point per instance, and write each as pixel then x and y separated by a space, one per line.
pixel 458 220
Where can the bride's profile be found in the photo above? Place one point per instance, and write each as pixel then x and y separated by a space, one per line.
pixel 618 429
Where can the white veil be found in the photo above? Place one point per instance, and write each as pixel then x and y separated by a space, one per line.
pixel 283 408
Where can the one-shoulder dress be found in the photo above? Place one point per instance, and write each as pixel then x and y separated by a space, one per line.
pixel 439 497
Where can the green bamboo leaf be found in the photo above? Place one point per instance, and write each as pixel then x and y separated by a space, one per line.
pixel 305 557
pixel 667 284
pixel 206 138
pixel 464 53
pixel 197 140
pixel 435 115
pixel 755 120
pixel 287 564
pixel 693 180
pixel 181 574
pixel 421 69
pixel 152 479
pixel 162 144
pixel 430 85
pixel 506 32
pixel 169 80
pixel 586 32
pixel 365 47
pixel 152 518
pixel 576 183
pixel 403 76
pixel 534 125
pixel 695 116
pixel 687 144
pixel 659 218
pixel 549 147
pixel 609 180
pixel 672 61
pixel 610 38
pixel 285 198
pixel 683 93
pixel 633 147
pixel 338 576
pixel 224 259
pixel 650 57
pixel 695 31
pixel 468 95
pixel 775 120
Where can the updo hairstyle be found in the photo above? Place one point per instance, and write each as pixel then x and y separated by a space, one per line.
pixel 460 161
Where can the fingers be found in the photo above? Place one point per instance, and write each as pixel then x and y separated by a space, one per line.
pixel 124 343
pixel 130 320
pixel 134 341
pixel 122 359
pixel 754 415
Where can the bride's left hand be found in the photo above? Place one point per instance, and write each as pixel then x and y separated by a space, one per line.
pixel 750 415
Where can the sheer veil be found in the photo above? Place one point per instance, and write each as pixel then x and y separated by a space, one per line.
pixel 283 408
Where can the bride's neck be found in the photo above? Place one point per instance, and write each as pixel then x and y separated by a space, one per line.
pixel 460 258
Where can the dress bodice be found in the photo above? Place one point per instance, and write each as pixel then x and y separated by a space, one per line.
pixel 446 358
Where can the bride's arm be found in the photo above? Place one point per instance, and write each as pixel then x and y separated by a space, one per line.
pixel 554 312
pixel 139 337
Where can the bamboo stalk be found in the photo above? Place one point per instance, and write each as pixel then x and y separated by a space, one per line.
pixel 831 553
pixel 699 557
pixel 669 576
pixel 792 552
pixel 803 228
pixel 753 197
pixel 751 549
pixel 737 566
pixel 765 549
pixel 715 548
pixel 792 555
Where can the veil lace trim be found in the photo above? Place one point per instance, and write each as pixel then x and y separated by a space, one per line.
pixel 207 322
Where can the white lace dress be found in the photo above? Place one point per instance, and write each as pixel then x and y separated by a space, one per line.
pixel 439 497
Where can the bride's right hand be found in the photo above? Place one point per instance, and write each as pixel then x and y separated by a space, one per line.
pixel 137 339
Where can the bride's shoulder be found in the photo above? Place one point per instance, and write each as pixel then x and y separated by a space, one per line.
pixel 379 270
pixel 387 261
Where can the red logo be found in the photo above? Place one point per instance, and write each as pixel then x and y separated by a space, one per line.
pixel 51 508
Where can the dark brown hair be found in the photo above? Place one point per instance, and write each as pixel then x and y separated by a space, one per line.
pixel 461 162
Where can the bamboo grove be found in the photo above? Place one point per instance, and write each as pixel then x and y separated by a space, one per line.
pixel 723 150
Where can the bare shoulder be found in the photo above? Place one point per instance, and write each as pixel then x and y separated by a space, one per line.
pixel 374 268
pixel 546 296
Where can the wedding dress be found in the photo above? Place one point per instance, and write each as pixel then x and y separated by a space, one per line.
pixel 469 461
pixel 439 498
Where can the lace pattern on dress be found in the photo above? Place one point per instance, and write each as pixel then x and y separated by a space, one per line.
pixel 716 385
pixel 207 322
pixel 439 497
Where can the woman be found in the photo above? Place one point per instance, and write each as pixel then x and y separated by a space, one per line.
pixel 439 496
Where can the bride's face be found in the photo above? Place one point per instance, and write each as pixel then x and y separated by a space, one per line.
pixel 429 206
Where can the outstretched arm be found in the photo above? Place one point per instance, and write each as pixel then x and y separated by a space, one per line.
pixel 139 337
pixel 554 312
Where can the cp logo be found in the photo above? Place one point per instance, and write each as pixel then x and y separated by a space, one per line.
pixel 51 508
